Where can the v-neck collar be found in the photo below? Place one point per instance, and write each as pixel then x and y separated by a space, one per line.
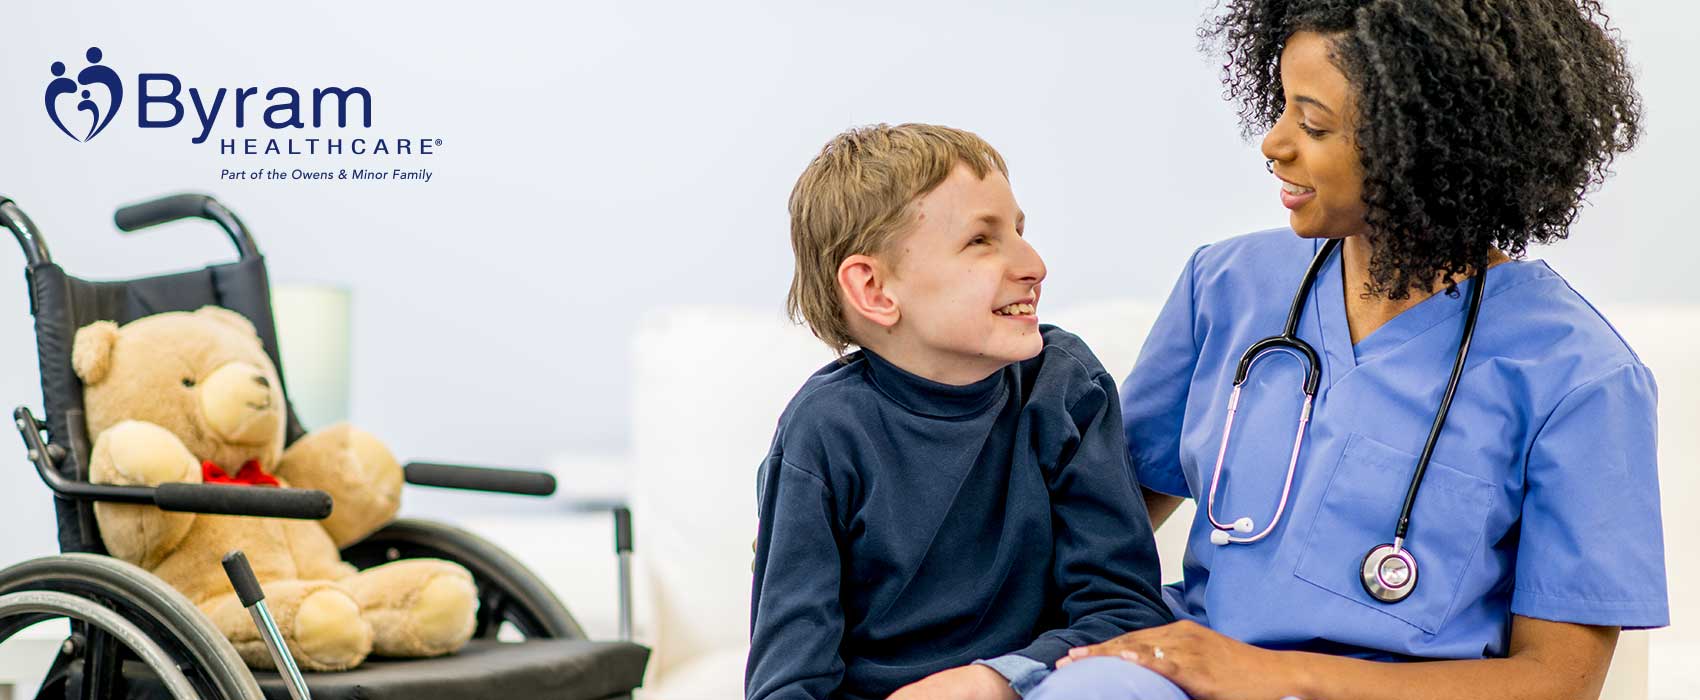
pixel 1328 303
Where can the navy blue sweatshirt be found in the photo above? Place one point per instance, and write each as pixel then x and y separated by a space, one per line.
pixel 909 526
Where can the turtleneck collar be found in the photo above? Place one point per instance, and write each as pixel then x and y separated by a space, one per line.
pixel 929 398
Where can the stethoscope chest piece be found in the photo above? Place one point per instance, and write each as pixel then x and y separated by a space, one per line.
pixel 1389 573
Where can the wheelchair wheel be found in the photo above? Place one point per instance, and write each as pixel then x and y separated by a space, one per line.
pixel 508 592
pixel 120 611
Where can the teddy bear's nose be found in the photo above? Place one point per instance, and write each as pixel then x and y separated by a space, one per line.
pixel 236 400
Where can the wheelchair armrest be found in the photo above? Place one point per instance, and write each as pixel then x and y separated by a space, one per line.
pixel 215 499
pixel 454 476
pixel 228 499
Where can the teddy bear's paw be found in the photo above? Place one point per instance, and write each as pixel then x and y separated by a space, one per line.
pixel 445 613
pixel 417 607
pixel 359 473
pixel 329 634
pixel 346 451
pixel 144 454
pixel 438 618
pixel 375 468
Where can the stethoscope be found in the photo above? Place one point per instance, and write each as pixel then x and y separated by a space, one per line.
pixel 1389 571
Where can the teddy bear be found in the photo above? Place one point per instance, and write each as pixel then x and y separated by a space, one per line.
pixel 193 397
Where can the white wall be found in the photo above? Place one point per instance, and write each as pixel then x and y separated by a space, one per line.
pixel 604 159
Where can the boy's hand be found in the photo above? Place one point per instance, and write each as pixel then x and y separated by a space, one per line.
pixel 969 682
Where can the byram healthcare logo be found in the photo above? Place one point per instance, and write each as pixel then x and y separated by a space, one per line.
pixel 111 93
pixel 82 106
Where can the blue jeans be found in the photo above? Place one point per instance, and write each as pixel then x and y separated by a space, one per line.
pixel 1105 678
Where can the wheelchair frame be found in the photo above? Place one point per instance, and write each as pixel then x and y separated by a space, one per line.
pixel 121 614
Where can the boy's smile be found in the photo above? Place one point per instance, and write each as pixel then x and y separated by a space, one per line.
pixel 957 297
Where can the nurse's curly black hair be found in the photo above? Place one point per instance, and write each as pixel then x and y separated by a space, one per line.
pixel 1480 122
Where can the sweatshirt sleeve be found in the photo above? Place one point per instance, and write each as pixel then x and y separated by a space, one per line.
pixel 1105 559
pixel 796 622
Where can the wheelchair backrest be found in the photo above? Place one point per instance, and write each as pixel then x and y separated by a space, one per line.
pixel 61 304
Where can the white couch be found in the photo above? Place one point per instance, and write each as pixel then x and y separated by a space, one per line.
pixel 708 386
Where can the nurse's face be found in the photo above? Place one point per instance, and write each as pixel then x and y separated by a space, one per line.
pixel 1311 144
pixel 967 282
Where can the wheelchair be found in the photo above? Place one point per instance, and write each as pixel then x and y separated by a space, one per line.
pixel 132 636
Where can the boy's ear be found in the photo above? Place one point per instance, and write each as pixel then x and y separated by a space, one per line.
pixel 862 279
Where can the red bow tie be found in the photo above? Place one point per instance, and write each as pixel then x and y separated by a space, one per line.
pixel 249 474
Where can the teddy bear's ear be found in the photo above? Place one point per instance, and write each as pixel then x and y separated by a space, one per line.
pixel 91 350
pixel 229 318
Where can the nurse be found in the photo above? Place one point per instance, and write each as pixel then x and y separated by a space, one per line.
pixel 1434 141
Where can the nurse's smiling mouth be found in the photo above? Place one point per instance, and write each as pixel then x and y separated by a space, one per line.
pixel 1294 195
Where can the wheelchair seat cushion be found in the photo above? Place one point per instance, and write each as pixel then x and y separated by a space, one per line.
pixel 568 669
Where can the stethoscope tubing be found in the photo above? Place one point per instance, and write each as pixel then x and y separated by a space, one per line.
pixel 1288 341
pixel 1445 407
pixel 1286 487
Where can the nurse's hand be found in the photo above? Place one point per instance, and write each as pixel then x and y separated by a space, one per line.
pixel 1203 662
pixel 970 682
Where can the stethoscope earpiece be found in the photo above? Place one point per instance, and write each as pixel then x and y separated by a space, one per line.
pixel 1221 537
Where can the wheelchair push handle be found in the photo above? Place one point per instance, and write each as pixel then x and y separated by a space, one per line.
pixel 135 217
pixel 16 221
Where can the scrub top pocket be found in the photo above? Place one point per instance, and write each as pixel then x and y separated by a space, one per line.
pixel 1359 510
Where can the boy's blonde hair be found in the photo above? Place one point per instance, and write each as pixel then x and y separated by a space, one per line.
pixel 854 199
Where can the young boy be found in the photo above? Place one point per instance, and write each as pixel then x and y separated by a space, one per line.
pixel 948 510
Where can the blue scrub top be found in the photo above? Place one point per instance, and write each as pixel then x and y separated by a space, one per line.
pixel 1541 499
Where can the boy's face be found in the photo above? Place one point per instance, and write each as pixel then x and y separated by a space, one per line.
pixel 966 283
